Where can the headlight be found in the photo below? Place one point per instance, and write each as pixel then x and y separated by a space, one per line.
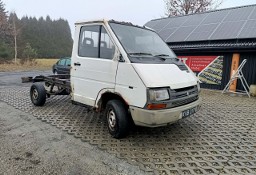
pixel 158 94
pixel 198 86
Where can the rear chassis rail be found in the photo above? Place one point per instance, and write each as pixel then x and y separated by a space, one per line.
pixel 61 82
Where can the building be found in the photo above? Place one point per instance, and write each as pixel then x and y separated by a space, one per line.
pixel 214 43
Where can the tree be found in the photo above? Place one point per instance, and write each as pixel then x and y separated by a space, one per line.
pixel 5 52
pixel 15 31
pixel 184 7
pixel 4 34
pixel 29 54
pixel 51 38
pixel 3 21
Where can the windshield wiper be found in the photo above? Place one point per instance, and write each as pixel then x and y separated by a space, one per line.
pixel 161 55
pixel 164 55
pixel 140 53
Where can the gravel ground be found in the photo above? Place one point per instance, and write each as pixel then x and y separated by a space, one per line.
pixel 219 139
pixel 28 146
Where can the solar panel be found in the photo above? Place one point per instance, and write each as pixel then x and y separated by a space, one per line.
pixel 161 24
pixel 215 17
pixel 181 34
pixel 239 14
pixel 151 24
pixel 253 15
pixel 164 34
pixel 249 30
pixel 228 30
pixel 233 23
pixel 202 32
pixel 175 22
pixel 194 20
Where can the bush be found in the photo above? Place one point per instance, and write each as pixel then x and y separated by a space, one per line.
pixel 29 54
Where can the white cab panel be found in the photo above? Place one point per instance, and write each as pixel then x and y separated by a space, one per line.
pixel 91 77
pixel 165 75
pixel 130 86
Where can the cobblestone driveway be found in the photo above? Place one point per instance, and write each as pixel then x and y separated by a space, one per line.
pixel 220 139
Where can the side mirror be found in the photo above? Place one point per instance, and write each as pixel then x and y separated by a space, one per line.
pixel 121 58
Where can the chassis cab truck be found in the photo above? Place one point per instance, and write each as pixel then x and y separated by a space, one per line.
pixel 129 72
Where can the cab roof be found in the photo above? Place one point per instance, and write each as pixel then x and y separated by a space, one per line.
pixel 113 21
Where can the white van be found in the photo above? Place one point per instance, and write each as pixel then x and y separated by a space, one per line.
pixel 130 73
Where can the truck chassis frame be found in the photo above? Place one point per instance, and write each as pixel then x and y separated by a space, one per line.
pixel 61 82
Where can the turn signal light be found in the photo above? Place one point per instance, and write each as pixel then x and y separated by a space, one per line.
pixel 156 106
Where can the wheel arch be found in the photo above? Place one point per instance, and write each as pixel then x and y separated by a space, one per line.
pixel 106 95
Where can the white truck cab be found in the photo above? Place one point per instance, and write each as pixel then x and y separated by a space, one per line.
pixel 130 73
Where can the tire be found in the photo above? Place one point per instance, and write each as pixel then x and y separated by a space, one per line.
pixel 38 94
pixel 55 72
pixel 117 119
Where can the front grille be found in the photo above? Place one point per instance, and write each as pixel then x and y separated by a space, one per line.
pixel 184 101
pixel 183 92
pixel 185 89
pixel 183 96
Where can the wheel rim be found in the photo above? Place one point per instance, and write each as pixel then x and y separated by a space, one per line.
pixel 111 119
pixel 35 94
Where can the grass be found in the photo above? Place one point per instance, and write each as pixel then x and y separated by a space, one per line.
pixel 40 64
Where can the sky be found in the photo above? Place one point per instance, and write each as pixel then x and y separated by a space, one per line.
pixel 136 11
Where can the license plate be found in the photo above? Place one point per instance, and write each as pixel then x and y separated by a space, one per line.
pixel 189 112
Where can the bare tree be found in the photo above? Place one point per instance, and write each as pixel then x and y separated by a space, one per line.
pixel 15 31
pixel 184 7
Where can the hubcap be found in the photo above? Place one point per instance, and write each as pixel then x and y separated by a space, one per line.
pixel 35 94
pixel 111 119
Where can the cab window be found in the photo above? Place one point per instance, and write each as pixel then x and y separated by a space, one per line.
pixel 89 45
pixel 106 45
pixel 89 41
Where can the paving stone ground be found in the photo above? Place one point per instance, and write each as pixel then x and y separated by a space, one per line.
pixel 219 139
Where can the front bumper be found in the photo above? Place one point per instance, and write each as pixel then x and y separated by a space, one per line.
pixel 155 118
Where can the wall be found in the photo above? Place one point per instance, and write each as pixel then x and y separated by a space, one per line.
pixel 227 60
pixel 249 69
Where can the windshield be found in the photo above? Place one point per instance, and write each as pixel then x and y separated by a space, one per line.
pixel 139 42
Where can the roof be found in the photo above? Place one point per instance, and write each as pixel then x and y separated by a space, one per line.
pixel 215 45
pixel 224 24
pixel 107 20
pixel 91 21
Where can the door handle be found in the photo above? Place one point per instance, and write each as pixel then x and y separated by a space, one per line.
pixel 77 64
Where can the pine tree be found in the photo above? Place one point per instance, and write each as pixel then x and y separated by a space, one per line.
pixel 4 34
pixel 51 38
pixel 3 21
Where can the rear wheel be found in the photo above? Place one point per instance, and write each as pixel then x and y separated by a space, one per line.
pixel 38 94
pixel 117 119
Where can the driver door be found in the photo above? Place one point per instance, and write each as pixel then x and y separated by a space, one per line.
pixel 93 66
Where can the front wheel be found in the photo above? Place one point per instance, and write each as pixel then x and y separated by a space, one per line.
pixel 38 94
pixel 117 119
